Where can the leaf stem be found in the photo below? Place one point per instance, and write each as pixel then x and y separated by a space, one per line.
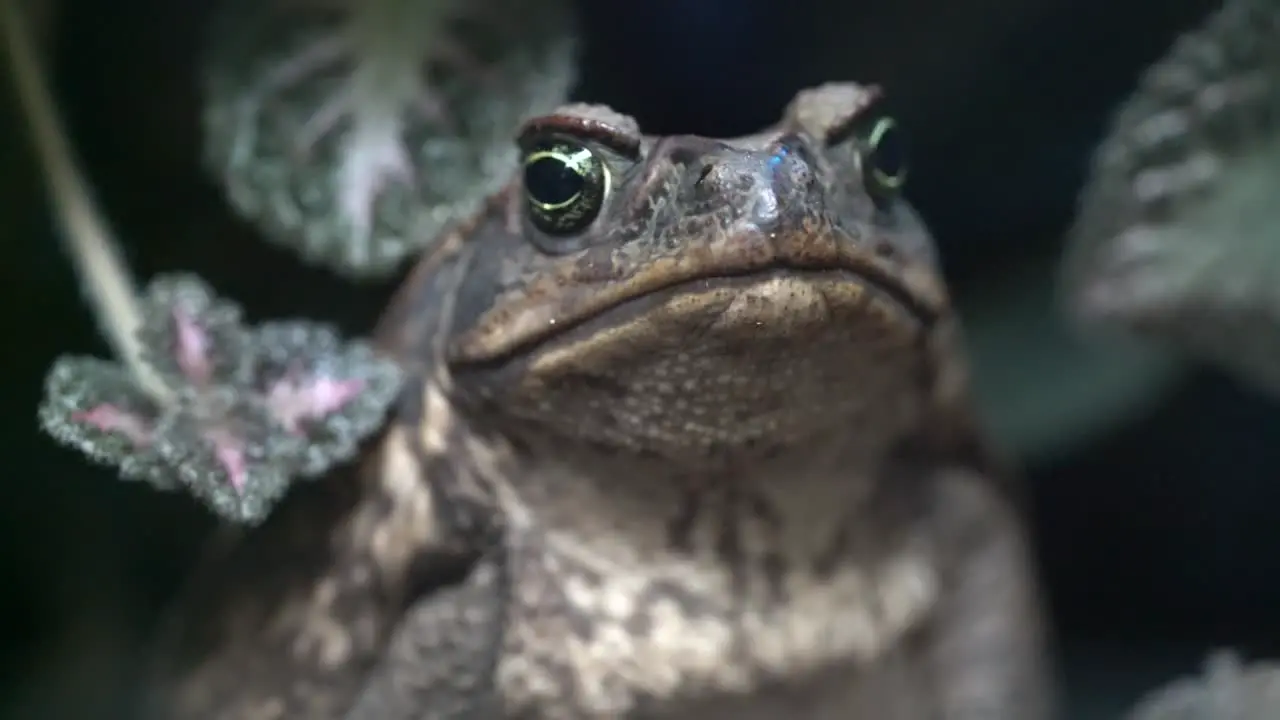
pixel 87 240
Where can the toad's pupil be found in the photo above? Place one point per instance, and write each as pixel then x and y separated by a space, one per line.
pixel 551 181
pixel 889 151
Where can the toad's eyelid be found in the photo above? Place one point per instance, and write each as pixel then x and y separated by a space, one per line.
pixel 579 131
pixel 882 126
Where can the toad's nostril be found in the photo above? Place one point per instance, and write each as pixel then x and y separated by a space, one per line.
pixel 703 173
pixel 721 175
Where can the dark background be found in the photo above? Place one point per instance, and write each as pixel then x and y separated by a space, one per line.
pixel 1158 537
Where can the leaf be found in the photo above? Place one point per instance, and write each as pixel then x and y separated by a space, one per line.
pixel 354 132
pixel 332 394
pixel 227 452
pixel 1178 235
pixel 249 412
pixel 1228 688
pixel 95 407
pixel 191 336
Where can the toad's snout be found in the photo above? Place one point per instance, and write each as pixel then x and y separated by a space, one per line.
pixel 766 187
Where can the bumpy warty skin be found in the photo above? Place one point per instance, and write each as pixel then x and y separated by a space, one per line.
pixel 706 453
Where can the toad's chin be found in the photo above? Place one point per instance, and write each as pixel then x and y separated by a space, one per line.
pixel 717 364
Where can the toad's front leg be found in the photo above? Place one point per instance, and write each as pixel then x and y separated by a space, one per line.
pixel 285 621
pixel 441 659
pixel 986 649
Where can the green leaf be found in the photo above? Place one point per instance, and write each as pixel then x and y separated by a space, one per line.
pixel 356 133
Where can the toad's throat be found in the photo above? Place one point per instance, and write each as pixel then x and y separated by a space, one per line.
pixel 768 298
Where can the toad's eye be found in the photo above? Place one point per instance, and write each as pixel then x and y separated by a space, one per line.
pixel 565 185
pixel 883 157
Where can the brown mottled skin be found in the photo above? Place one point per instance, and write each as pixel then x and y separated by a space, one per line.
pixel 708 456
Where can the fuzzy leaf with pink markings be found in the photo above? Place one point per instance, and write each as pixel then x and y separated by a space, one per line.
pixel 248 410
pixel 355 131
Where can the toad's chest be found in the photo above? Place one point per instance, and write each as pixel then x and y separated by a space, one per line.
pixel 675 638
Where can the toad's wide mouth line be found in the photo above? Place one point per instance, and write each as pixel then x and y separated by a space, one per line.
pixel 597 317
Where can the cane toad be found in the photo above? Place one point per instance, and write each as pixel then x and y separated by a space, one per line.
pixel 689 439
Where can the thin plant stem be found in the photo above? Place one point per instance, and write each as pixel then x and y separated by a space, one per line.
pixel 86 238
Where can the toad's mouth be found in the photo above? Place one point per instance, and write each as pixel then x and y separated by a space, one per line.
pixel 778 298
pixel 731 367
